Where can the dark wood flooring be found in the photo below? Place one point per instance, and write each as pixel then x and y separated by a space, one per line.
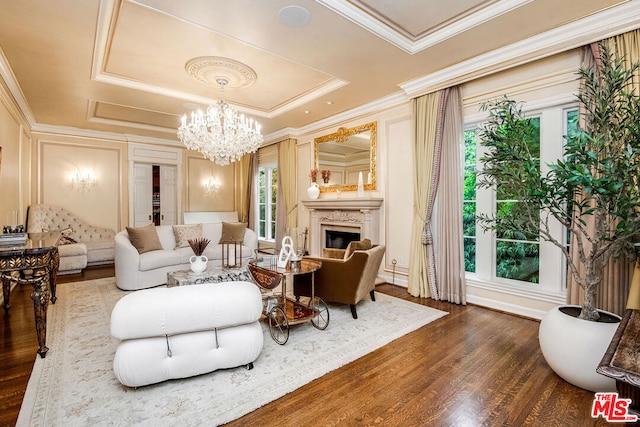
pixel 473 367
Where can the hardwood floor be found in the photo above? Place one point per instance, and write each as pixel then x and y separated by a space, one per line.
pixel 472 367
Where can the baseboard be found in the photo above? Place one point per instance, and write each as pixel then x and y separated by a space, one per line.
pixel 506 307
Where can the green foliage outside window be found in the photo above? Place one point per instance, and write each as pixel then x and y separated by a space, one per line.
pixel 469 205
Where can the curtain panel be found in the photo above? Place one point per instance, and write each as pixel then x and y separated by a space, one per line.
pixel 427 137
pixel 286 205
pixel 243 180
pixel 449 235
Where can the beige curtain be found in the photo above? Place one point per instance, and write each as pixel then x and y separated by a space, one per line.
pixel 613 293
pixel 251 190
pixel 287 206
pixel 243 182
pixel 450 248
pixel 426 137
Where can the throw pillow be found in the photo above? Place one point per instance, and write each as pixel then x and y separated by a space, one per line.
pixel 144 239
pixel 65 237
pixel 184 233
pixel 232 232
pixel 361 245
pixel 66 240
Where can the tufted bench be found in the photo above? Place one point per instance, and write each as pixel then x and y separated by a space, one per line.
pixel 82 244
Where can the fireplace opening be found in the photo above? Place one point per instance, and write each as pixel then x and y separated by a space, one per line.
pixel 339 239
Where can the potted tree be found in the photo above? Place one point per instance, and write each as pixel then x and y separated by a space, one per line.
pixel 594 191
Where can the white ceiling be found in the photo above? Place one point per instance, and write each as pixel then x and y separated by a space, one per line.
pixel 118 66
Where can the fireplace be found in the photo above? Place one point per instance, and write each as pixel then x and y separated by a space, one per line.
pixel 338 239
pixel 354 219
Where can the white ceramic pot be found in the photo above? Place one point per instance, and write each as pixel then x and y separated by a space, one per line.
pixel 313 191
pixel 573 348
pixel 198 263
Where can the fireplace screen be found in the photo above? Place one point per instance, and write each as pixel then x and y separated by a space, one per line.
pixel 339 239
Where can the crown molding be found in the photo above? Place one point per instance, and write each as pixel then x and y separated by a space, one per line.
pixel 6 73
pixel 613 21
pixel 410 45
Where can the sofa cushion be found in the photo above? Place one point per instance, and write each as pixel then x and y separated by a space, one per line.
pixel 184 233
pixel 361 245
pixel 144 239
pixel 158 259
pixel 232 232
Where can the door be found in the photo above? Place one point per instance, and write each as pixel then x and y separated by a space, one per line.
pixel 142 194
pixel 168 205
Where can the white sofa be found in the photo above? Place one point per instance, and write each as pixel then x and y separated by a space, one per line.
pixel 169 333
pixel 92 245
pixel 145 270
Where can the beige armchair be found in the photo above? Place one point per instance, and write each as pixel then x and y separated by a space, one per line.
pixel 345 281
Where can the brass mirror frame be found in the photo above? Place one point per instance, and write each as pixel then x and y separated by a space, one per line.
pixel 341 135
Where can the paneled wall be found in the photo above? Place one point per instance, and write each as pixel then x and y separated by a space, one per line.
pixel 59 158
pixel 199 171
pixel 15 182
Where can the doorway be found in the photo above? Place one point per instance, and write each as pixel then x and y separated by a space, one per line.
pixel 155 194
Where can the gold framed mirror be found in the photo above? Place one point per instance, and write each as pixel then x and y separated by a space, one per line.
pixel 347 153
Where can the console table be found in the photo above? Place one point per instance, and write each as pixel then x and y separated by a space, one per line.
pixel 33 263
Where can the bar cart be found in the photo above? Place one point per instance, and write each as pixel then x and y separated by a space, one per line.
pixel 281 310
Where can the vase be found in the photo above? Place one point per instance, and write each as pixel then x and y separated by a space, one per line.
pixel 313 191
pixel 198 263
pixel 574 347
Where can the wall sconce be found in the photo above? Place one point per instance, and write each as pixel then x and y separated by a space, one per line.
pixel 212 185
pixel 83 181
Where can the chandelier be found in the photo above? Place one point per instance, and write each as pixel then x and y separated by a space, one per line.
pixel 221 134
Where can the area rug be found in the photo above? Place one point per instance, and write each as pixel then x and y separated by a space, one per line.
pixel 75 385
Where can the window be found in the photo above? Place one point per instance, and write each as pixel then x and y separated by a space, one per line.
pixel 469 205
pixel 519 263
pixel 517 254
pixel 266 192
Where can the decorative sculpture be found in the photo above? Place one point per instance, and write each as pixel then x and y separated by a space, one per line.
pixel 287 252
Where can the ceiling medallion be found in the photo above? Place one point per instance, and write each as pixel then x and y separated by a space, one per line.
pixel 210 69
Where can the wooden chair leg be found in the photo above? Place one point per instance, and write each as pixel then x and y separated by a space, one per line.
pixel 373 296
pixel 353 311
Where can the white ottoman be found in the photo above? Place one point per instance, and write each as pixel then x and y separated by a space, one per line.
pixel 179 332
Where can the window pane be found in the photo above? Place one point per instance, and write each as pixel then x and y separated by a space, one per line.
pixel 470 147
pixel 470 254
pixel 572 122
pixel 518 227
pixel 469 219
pixel 469 183
pixel 469 206
pixel 518 261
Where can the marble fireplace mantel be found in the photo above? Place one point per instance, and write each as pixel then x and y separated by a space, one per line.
pixel 361 214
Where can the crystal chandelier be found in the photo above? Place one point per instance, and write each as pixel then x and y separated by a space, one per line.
pixel 220 134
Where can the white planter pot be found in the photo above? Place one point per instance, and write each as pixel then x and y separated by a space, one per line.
pixel 313 191
pixel 573 348
pixel 198 263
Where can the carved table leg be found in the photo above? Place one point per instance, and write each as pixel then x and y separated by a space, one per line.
pixel 53 274
pixel 6 291
pixel 40 297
